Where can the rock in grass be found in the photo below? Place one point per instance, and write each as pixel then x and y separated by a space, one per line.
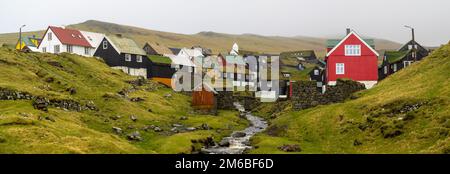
pixel 135 136
pixel 290 148
pixel 157 129
pixel 177 125
pixel 117 130
pixel 133 118
pixel 191 129
pixel 115 117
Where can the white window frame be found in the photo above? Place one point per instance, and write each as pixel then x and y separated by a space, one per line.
pixel 407 63
pixel 87 51
pixel 385 69
pixel 352 50
pixel 44 49
pixel 69 48
pixel 340 68
pixel 57 49
pixel 316 72
pixel 138 58
pixel 128 57
pixel 50 36
pixel 105 45
pixel 394 67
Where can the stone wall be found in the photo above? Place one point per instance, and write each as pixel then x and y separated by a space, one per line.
pixel 42 103
pixel 305 94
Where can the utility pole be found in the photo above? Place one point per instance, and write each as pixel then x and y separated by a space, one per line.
pixel 414 42
pixel 20 37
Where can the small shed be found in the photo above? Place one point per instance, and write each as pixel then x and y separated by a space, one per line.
pixel 204 99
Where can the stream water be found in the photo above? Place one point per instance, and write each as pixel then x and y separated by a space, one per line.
pixel 238 142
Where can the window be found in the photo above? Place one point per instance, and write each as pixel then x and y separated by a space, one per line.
pixel 128 57
pixel 69 48
pixel 340 69
pixel 394 67
pixel 87 51
pixel 138 58
pixel 352 50
pixel 385 69
pixel 407 63
pixel 49 36
pixel 225 75
pixel 57 49
pixel 316 72
pixel 44 49
pixel 239 76
pixel 105 45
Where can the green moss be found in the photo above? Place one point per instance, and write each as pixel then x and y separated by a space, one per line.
pixel 27 130
pixel 405 113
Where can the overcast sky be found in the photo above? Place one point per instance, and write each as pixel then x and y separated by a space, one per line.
pixel 317 18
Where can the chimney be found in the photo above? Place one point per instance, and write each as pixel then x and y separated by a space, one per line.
pixel 119 35
pixel 348 31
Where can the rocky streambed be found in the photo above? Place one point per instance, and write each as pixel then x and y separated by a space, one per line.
pixel 238 142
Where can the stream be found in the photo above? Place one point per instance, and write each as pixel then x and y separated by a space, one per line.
pixel 238 142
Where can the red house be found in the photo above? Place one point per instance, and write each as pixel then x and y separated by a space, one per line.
pixel 352 58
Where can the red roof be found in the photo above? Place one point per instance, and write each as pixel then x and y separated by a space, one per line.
pixel 70 36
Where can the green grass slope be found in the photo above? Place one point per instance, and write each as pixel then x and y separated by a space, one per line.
pixel 218 42
pixel 406 113
pixel 24 129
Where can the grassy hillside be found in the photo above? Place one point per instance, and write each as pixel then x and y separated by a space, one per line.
pixel 24 129
pixel 406 113
pixel 218 42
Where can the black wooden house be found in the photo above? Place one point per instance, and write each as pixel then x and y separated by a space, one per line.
pixel 394 61
pixel 124 54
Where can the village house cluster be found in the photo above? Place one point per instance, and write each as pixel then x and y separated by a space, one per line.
pixel 352 58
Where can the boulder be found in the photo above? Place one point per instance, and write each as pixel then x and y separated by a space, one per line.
pixel 290 148
pixel 239 134
pixel 157 129
pixel 205 126
pixel 116 117
pixel 135 136
pixel 177 125
pixel 137 99
pixel 224 143
pixel 133 118
pixel 191 129
pixel 117 130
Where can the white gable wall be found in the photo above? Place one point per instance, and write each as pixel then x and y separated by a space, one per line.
pixel 50 46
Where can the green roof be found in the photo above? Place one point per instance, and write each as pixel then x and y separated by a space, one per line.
pixel 331 43
pixel 395 56
pixel 27 41
pixel 160 59
pixel 125 45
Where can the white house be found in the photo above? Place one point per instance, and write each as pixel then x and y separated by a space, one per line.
pixel 191 53
pixel 59 40
pixel 94 39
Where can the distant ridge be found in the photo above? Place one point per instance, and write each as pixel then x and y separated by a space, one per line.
pixel 218 42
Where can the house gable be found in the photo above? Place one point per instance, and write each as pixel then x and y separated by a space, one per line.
pixel 352 39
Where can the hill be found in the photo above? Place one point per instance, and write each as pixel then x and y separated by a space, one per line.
pixel 218 42
pixel 71 104
pixel 406 113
